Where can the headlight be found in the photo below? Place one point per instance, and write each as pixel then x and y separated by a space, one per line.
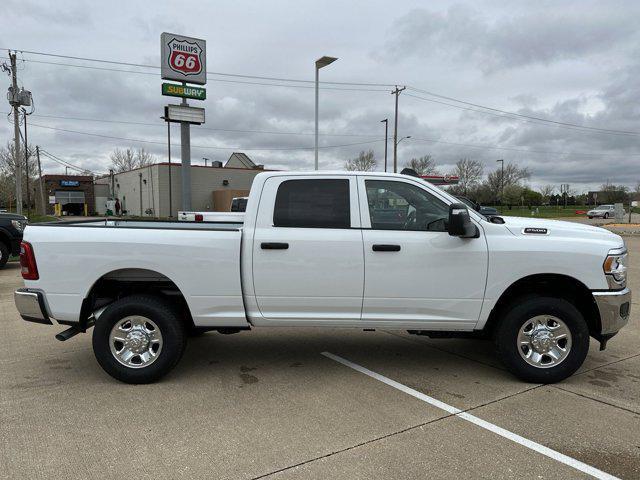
pixel 19 224
pixel 615 267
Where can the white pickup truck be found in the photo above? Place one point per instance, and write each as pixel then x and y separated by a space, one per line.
pixel 343 249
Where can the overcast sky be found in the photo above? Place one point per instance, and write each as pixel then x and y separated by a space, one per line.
pixel 572 62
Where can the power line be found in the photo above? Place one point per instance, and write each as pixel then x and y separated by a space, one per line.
pixel 205 147
pixel 64 162
pixel 499 115
pixel 222 74
pixel 241 82
pixel 520 115
pixel 483 108
pixel 429 140
pixel 148 124
pixel 514 149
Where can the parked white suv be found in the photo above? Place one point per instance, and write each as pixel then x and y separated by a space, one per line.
pixel 342 249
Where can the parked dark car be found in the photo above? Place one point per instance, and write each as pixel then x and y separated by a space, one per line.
pixel 486 211
pixel 11 228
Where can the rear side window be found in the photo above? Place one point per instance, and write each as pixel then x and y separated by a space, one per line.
pixel 322 203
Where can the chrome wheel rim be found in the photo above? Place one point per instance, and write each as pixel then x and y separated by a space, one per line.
pixel 544 341
pixel 135 341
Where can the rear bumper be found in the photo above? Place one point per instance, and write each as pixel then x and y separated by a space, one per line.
pixel 614 307
pixel 31 306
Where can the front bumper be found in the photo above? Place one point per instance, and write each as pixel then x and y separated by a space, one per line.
pixel 614 307
pixel 31 306
pixel 15 246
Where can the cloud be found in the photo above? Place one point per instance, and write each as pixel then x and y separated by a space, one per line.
pixel 507 41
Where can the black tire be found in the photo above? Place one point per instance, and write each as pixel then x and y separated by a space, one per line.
pixel 515 317
pixel 4 254
pixel 171 328
pixel 606 215
pixel 590 218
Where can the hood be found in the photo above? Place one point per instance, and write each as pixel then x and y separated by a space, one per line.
pixel 11 216
pixel 556 228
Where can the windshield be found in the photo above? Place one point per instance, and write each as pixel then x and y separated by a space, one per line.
pixel 603 207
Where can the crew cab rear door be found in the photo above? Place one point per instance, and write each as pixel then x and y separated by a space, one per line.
pixel 308 263
pixel 417 275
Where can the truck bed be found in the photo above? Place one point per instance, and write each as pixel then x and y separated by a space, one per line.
pixel 201 259
pixel 157 224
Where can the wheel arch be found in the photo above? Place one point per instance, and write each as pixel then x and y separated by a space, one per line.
pixel 552 285
pixel 124 282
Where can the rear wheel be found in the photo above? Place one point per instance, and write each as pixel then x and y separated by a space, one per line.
pixel 606 215
pixel 4 254
pixel 138 339
pixel 542 339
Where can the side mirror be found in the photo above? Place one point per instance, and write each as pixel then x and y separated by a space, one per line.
pixel 460 224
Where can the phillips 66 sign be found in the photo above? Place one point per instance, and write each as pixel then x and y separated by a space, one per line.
pixel 183 58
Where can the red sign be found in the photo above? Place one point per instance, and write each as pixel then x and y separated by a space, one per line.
pixel 184 57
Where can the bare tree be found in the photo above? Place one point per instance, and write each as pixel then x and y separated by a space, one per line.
pixel 128 159
pixel 546 191
pixel 469 174
pixel 8 162
pixel 424 165
pixel 513 175
pixel 364 162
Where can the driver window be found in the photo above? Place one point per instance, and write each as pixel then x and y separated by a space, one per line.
pixel 401 206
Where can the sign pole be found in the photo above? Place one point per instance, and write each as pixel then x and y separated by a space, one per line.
pixel 185 151
pixel 184 60
pixel 170 182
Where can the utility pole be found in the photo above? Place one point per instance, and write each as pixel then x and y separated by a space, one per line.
pixel 140 179
pixel 42 204
pixel 26 163
pixel 386 140
pixel 396 92
pixel 15 103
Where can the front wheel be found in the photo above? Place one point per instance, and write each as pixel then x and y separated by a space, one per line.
pixel 138 339
pixel 542 339
pixel 606 215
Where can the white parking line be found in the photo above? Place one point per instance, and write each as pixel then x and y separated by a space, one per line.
pixel 560 457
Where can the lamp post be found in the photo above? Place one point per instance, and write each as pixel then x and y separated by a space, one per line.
pixel 321 62
pixel 501 180
pixel 386 140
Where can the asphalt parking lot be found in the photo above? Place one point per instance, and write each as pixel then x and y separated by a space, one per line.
pixel 269 404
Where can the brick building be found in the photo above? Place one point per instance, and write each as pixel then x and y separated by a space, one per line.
pixel 74 194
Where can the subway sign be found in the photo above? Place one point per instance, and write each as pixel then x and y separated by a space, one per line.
pixel 173 90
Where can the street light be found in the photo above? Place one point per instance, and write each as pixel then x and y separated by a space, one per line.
pixel 501 181
pixel 321 62
pixel 408 136
pixel 386 140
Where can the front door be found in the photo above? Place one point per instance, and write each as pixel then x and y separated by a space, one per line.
pixel 416 273
pixel 308 262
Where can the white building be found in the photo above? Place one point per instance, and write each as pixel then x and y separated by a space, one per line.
pixel 145 191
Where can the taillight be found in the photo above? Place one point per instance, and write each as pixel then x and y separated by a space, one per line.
pixel 199 217
pixel 28 262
